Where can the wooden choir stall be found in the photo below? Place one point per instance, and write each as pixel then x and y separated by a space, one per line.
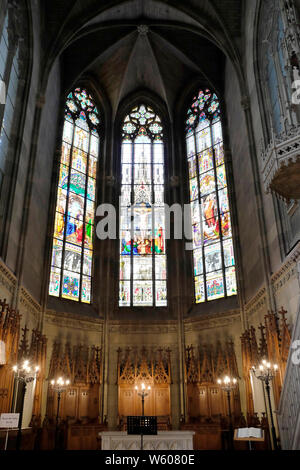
pixel 80 402
pixel 17 348
pixel 153 368
pixel 207 406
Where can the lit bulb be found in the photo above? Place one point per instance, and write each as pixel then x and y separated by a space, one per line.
pixel 149 388
pixel 227 380
pixel 261 367
pixel 234 381
pixel 52 382
pixel 143 386
pixel 136 387
pixel 275 366
pixel 219 381
pixel 15 368
pixel 67 382
pixel 37 368
pixel 268 365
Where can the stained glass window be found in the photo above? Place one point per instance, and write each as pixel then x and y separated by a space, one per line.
pixel 72 250
pixel 214 264
pixel 143 271
pixel 9 67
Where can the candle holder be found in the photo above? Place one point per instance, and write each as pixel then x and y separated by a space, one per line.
pixel 59 386
pixel 228 384
pixel 266 372
pixel 24 374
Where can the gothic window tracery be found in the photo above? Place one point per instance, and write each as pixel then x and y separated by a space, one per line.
pixel 143 272
pixel 73 238
pixel 214 262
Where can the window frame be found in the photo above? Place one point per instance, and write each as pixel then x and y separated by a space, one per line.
pixel 128 109
pixel 220 241
pixel 100 130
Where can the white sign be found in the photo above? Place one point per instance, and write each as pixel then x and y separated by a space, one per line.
pixel 2 92
pixel 9 420
pixel 2 353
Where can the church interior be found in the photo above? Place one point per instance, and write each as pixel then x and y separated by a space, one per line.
pixel 149 222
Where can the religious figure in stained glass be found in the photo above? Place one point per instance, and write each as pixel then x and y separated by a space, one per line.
pixel 143 278
pixel 72 249
pixel 214 264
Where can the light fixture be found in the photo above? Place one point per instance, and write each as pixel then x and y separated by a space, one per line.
pixel 228 384
pixel 266 372
pixel 143 393
pixel 24 374
pixel 58 385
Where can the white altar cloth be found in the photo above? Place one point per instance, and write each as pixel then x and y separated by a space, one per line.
pixel 165 440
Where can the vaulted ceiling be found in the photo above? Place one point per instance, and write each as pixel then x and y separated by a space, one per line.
pixel 156 45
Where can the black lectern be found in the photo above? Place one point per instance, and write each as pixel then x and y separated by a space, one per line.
pixel 143 425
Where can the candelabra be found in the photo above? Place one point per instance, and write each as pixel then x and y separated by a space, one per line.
pixel 143 393
pixel 58 386
pixel 24 374
pixel 266 373
pixel 228 384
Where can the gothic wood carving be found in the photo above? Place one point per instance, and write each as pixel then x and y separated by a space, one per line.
pixel 274 344
pixel 82 365
pixel 153 368
pixel 204 365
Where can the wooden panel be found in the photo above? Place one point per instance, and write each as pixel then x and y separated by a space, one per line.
pixel 126 401
pixel 215 399
pixel 202 401
pixel 157 403
pixel 208 440
pixel 162 402
pixel 83 437
pixel 83 408
pixel 94 402
pixel 70 401
pixel 207 436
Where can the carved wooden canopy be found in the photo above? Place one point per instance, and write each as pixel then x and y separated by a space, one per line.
pixel 80 364
pixel 206 364
pixel 148 366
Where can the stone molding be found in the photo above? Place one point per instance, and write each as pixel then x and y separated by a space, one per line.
pixel 74 321
pixel 29 303
pixel 288 270
pixel 257 302
pixel 146 328
pixel 7 278
pixel 213 321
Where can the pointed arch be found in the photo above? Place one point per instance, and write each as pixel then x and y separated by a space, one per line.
pixel 213 254
pixel 143 270
pixel 73 244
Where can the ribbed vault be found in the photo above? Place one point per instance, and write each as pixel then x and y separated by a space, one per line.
pixel 155 45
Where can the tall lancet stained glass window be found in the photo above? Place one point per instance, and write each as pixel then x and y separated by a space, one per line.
pixel 143 273
pixel 214 264
pixel 72 251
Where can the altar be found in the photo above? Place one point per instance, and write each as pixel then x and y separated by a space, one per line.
pixel 164 440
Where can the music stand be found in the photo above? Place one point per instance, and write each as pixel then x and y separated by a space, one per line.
pixel 143 425
pixel 249 439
